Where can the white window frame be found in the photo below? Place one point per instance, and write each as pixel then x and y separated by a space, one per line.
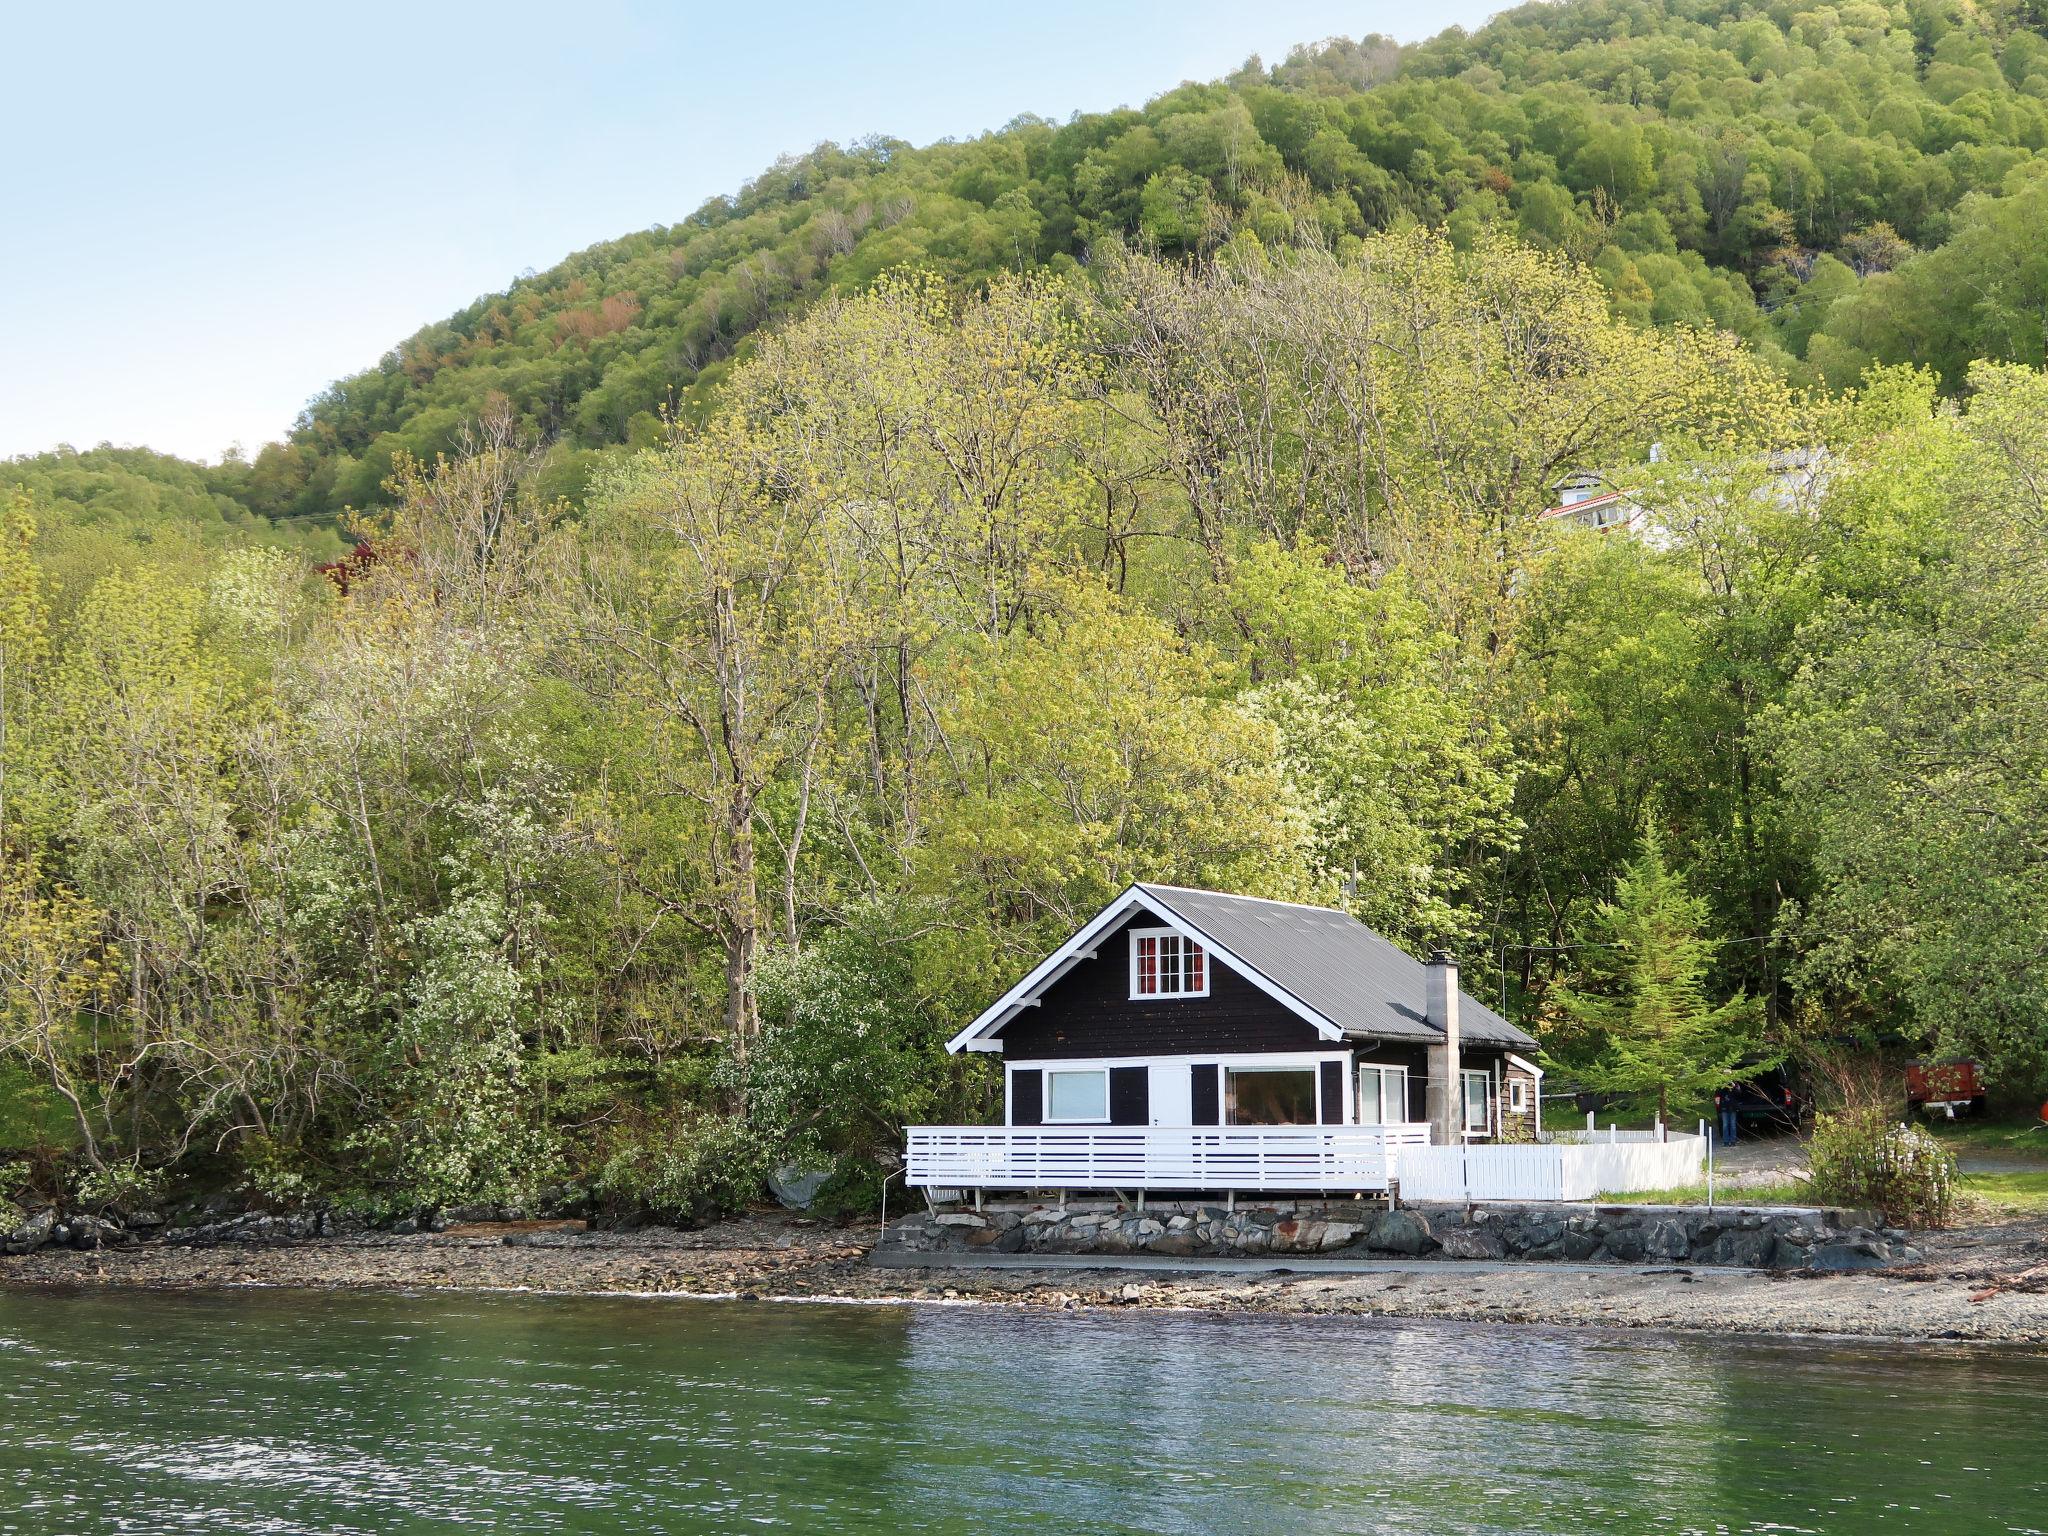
pixel 1465 1104
pixel 1380 1108
pixel 1047 1117
pixel 1311 1060
pixel 1518 1095
pixel 1208 964
pixel 1315 1085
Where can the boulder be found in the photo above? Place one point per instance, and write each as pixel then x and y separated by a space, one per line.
pixel 1534 1232
pixel 1579 1245
pixel 1853 1252
pixel 1400 1232
pixel 1484 1242
pixel 31 1234
pixel 1788 1253
pixel 1629 1245
pixel 1743 1248
pixel 797 1187
pixel 1666 1241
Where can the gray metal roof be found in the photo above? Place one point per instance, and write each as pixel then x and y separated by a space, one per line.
pixel 1333 963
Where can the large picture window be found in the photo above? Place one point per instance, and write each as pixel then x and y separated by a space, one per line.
pixel 1382 1095
pixel 1269 1096
pixel 1166 964
pixel 1077 1097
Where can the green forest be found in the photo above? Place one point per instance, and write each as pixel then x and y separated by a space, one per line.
pixel 614 741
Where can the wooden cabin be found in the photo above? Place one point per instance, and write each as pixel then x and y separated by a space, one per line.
pixel 1305 1040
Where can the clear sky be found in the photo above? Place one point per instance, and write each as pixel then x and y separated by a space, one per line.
pixel 213 210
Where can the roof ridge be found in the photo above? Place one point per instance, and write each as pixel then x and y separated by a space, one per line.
pixel 1271 901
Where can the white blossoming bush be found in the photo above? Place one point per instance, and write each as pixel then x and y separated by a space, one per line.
pixel 1866 1157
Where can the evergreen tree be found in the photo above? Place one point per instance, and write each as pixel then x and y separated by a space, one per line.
pixel 1637 1020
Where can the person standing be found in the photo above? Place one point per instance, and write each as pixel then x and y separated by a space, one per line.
pixel 1724 1101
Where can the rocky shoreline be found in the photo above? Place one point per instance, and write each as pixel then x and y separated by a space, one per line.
pixel 1788 1238
pixel 1976 1284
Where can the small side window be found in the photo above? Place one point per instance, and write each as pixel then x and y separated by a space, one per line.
pixel 1078 1097
pixel 1518 1095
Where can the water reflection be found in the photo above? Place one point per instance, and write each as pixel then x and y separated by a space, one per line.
pixel 280 1412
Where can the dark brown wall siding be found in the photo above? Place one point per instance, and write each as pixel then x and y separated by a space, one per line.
pixel 1130 1096
pixel 1330 1082
pixel 1090 1012
pixel 1027 1098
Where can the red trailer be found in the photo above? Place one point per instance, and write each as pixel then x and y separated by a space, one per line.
pixel 1945 1086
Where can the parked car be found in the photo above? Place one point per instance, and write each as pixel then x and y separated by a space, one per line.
pixel 1947 1088
pixel 1769 1101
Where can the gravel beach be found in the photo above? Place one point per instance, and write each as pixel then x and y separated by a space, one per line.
pixel 1988 1283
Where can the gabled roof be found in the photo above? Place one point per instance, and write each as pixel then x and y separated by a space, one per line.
pixel 1325 965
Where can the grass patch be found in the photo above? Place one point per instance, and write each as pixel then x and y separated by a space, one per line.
pixel 2013 1137
pixel 1785 1192
pixel 2006 1193
pixel 1985 1196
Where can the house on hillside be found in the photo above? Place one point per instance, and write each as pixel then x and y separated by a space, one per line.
pixel 1587 501
pixel 1791 478
pixel 1193 1039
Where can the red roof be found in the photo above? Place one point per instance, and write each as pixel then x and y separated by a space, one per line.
pixel 1591 501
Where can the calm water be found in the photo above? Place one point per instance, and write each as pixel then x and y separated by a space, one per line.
pixel 278 1412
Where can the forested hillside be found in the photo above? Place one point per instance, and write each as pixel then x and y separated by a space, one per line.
pixel 1836 184
pixel 639 806
pixel 110 507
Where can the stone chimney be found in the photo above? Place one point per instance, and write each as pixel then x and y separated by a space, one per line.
pixel 1446 1094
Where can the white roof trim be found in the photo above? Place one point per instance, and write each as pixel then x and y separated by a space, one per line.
pixel 978 1036
pixel 1524 1063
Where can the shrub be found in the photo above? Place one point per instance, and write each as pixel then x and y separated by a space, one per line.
pixel 123 1187
pixel 1866 1157
pixel 690 1170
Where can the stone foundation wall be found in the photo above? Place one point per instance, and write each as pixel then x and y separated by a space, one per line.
pixel 1823 1239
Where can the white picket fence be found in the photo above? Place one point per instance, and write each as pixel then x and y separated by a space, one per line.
pixel 1565 1169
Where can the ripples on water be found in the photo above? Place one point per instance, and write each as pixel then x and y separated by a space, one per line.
pixel 279 1413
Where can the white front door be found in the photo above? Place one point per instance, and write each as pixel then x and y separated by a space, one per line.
pixel 1171 1092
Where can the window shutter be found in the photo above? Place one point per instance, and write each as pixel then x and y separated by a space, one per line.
pixel 1333 1092
pixel 1027 1097
pixel 1129 1096
pixel 1206 1094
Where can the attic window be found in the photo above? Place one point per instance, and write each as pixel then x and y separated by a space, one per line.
pixel 1165 964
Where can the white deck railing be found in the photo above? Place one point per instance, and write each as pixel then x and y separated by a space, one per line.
pixel 1228 1157
pixel 1325 1158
